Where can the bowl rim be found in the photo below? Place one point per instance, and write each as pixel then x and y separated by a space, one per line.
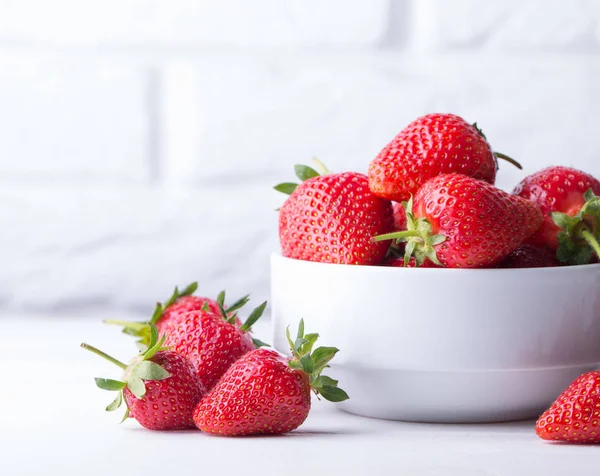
pixel 275 255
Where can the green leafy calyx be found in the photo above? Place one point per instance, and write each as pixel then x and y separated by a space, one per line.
pixel 246 326
pixel 313 363
pixel 418 236
pixel 141 369
pixel 303 172
pixel 579 237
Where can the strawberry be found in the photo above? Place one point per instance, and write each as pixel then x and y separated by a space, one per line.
pixel 575 415
pixel 160 387
pixel 267 393
pixel 332 218
pixel 529 256
pixel 571 208
pixel 399 216
pixel 432 145
pixel 461 222
pixel 180 302
pixel 212 342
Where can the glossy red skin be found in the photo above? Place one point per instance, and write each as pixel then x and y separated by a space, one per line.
pixel 482 223
pixel 209 342
pixel 183 305
pixel 575 415
pixel 431 145
pixel 555 189
pixel 529 256
pixel 399 216
pixel 332 219
pixel 168 404
pixel 259 394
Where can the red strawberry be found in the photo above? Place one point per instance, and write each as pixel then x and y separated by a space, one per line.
pixel 332 219
pixel 179 303
pixel 160 387
pixel 575 415
pixel 265 392
pixel 432 145
pixel 529 256
pixel 399 216
pixel 212 341
pixel 461 222
pixel 568 200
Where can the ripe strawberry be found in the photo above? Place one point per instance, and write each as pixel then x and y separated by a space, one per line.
pixel 568 200
pixel 575 415
pixel 267 393
pixel 332 219
pixel 180 302
pixel 461 222
pixel 212 342
pixel 432 145
pixel 529 256
pixel 399 216
pixel 160 387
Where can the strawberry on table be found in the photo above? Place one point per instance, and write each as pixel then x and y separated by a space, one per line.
pixel 179 303
pixel 569 202
pixel 160 387
pixel 332 219
pixel 266 393
pixel 211 341
pixel 575 415
pixel 432 145
pixel 460 222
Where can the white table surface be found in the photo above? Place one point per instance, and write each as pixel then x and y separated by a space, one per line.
pixel 52 421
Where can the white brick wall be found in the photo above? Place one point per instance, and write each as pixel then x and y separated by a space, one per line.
pixel 139 140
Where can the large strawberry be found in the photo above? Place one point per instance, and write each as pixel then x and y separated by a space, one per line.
pixel 569 201
pixel 179 303
pixel 432 145
pixel 460 222
pixel 267 393
pixel 575 415
pixel 212 341
pixel 332 219
pixel 160 387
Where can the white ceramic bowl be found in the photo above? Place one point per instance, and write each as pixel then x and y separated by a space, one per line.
pixel 444 345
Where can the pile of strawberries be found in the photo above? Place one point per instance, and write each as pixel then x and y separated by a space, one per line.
pixel 429 201
pixel 200 367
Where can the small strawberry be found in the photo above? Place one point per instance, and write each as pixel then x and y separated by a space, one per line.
pixel 569 202
pixel 399 216
pixel 267 393
pixel 212 342
pixel 529 256
pixel 575 415
pixel 432 145
pixel 332 218
pixel 461 222
pixel 179 303
pixel 160 387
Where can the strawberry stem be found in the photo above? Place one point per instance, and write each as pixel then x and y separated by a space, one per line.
pixel 502 156
pixel 96 351
pixel 589 237
pixel 397 234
